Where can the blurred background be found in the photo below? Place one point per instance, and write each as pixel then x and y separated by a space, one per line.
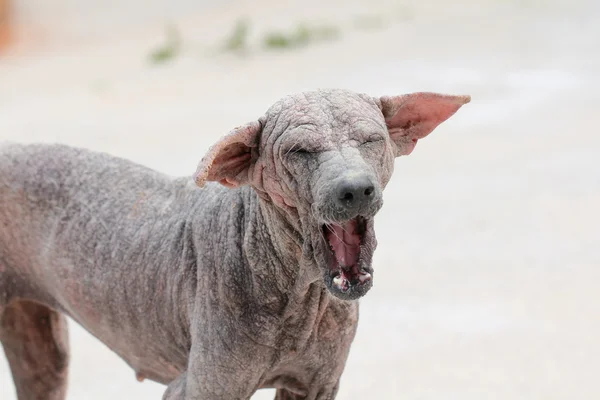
pixel 488 266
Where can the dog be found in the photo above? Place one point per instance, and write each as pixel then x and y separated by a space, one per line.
pixel 250 282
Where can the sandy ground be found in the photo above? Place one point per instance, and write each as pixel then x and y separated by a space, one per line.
pixel 488 262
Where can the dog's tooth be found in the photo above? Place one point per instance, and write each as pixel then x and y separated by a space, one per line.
pixel 341 283
pixel 363 277
pixel 338 281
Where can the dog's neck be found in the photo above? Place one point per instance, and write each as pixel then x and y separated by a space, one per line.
pixel 271 230
pixel 293 280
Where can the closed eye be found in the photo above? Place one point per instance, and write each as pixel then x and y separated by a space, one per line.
pixel 297 153
pixel 373 139
pixel 300 151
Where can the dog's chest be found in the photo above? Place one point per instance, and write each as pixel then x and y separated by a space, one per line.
pixel 308 343
pixel 309 333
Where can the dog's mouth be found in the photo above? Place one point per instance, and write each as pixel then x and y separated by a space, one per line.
pixel 349 274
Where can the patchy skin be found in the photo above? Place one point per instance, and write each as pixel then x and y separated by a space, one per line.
pixel 215 292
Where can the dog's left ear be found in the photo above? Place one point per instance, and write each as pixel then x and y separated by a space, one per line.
pixel 229 160
pixel 413 116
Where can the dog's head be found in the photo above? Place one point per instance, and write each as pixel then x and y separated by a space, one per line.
pixel 324 158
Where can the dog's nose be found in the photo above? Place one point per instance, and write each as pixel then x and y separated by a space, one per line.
pixel 355 192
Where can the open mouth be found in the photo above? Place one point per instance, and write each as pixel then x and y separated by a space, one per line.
pixel 349 276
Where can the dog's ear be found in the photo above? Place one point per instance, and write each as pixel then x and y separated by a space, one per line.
pixel 228 161
pixel 411 117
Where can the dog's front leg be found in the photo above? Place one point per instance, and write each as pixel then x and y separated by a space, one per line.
pixel 215 389
pixel 215 374
pixel 176 389
pixel 324 393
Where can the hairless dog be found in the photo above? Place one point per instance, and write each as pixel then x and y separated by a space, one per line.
pixel 216 292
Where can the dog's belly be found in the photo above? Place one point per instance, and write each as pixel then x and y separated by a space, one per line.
pixel 157 368
pixel 146 354
pixel 147 357
pixel 154 347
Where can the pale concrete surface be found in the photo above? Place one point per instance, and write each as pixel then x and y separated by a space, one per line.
pixel 488 264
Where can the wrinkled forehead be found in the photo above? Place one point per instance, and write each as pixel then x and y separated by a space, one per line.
pixel 321 115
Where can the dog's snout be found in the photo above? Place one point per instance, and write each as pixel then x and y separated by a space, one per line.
pixel 356 191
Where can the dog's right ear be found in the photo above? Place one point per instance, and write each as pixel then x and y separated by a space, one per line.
pixel 228 161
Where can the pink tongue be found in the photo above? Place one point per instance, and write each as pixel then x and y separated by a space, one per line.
pixel 345 243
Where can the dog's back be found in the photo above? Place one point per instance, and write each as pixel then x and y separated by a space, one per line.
pixel 88 234
pixel 40 185
pixel 54 198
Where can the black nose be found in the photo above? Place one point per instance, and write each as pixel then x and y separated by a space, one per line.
pixel 355 192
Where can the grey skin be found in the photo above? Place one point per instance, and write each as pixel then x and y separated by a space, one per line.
pixel 215 292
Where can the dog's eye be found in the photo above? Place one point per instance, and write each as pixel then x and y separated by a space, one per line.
pixel 372 139
pixel 298 152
